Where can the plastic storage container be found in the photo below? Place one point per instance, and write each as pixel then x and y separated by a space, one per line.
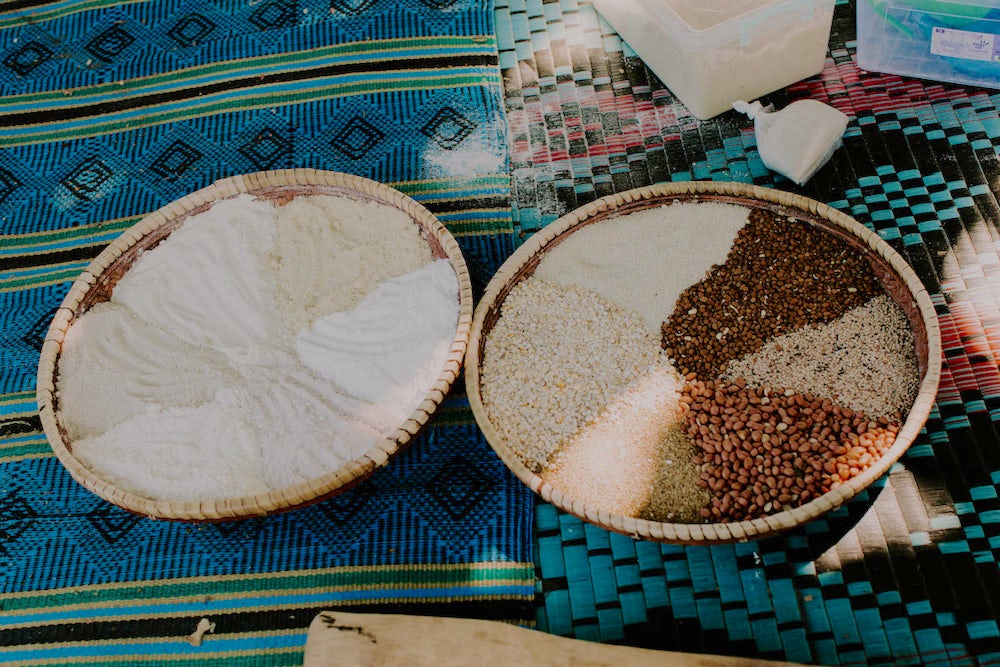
pixel 711 53
pixel 944 40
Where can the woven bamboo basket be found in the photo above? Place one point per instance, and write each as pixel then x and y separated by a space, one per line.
pixel 897 278
pixel 96 283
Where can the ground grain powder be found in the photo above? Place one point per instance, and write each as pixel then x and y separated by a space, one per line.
pixel 644 260
pixel 187 386
pixel 634 458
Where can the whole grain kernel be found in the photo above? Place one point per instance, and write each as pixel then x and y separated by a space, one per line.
pixel 779 276
pixel 795 466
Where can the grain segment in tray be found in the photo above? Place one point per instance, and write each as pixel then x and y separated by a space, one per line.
pixel 783 369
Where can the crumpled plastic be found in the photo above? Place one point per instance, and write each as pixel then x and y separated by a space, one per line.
pixel 797 140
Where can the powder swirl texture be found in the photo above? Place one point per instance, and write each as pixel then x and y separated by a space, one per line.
pixel 201 379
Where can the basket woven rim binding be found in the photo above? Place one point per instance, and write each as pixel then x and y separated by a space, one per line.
pixel 893 271
pixel 98 279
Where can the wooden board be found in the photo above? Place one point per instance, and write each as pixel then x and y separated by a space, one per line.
pixel 374 640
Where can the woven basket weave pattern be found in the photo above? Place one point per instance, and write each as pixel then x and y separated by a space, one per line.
pixel 96 283
pixel 896 276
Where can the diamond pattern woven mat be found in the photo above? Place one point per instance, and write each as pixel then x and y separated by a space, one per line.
pixel 110 110
pixel 908 572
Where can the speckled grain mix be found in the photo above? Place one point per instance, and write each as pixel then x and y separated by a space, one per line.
pixel 864 360
pixel 554 359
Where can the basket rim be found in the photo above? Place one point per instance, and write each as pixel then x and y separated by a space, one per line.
pixel 304 493
pixel 703 533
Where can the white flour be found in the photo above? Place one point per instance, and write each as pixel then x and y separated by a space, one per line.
pixel 206 284
pixel 393 344
pixel 476 154
pixel 680 244
pixel 187 385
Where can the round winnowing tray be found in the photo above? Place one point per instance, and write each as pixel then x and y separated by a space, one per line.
pixel 96 283
pixel 896 277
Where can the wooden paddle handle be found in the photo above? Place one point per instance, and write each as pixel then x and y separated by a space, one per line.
pixel 386 640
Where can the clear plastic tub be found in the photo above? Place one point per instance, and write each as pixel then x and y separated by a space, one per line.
pixel 711 53
pixel 943 40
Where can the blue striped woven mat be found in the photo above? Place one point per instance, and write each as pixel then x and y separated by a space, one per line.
pixel 109 110
pixel 907 573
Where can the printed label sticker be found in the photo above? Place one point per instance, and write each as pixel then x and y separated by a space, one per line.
pixel 965 44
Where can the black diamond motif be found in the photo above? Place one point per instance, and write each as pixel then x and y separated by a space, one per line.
pixel 343 507
pixel 18 517
pixel 88 178
pixel 110 43
pixel 266 149
pixel 274 14
pixel 8 183
pixel 113 524
pixel 191 29
pixel 27 58
pixel 351 6
pixel 459 486
pixel 35 336
pixel 448 128
pixel 357 138
pixel 14 506
pixel 438 4
pixel 173 162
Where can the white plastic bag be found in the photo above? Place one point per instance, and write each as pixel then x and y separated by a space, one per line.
pixel 797 140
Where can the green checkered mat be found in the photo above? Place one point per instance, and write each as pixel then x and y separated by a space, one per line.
pixel 907 573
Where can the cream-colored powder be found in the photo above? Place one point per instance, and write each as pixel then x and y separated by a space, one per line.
pixel 678 245
pixel 192 288
pixel 616 462
pixel 114 366
pixel 392 347
pixel 330 253
pixel 187 386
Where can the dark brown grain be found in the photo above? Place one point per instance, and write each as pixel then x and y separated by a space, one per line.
pixel 780 275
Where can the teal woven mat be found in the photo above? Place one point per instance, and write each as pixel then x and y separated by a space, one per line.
pixel 908 572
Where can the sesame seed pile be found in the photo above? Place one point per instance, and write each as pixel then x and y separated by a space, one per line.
pixel 555 358
pixel 864 360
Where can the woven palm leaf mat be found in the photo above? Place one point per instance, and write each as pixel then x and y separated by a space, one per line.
pixel 908 572
pixel 109 111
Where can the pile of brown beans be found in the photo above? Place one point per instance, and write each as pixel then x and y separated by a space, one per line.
pixel 764 450
pixel 780 275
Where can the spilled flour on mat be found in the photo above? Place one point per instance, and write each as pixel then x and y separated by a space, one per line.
pixel 201 378
pixel 455 154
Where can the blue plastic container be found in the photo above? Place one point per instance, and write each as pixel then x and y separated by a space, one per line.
pixel 957 41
